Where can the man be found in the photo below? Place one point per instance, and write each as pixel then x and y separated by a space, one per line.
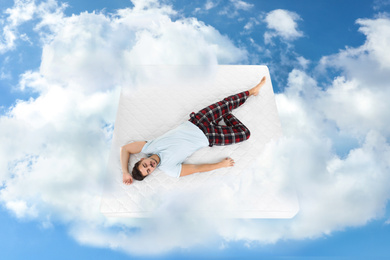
pixel 202 129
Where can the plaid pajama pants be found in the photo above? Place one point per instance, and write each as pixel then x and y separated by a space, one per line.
pixel 208 118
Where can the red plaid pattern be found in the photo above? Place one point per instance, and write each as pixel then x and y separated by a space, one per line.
pixel 208 118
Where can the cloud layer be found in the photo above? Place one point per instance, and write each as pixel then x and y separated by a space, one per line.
pixel 54 147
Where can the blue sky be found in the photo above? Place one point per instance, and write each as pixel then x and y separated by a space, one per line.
pixel 330 66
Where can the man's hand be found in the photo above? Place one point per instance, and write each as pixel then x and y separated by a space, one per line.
pixel 227 162
pixel 127 179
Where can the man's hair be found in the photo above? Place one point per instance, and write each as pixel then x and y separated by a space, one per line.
pixel 137 173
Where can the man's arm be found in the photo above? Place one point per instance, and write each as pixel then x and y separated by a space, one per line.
pixel 126 150
pixel 187 169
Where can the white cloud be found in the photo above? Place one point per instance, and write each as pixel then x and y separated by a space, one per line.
pixel 176 46
pixel 354 106
pixel 364 86
pixel 210 4
pixel 283 23
pixel 241 5
pixel 7 40
pixel 252 22
pixel 256 46
pixel 378 36
pixel 141 35
pixel 21 12
pixel 54 147
pixel 380 4
pixel 4 70
pixel 20 208
pixel 303 62
pixel 233 8
pixel 48 13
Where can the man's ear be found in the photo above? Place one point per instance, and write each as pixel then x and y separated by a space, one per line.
pixel 141 159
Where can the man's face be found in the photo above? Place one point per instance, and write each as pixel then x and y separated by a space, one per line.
pixel 147 166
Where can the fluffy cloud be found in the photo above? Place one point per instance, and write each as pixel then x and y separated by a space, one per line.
pixel 252 22
pixel 335 183
pixel 210 4
pixel 54 147
pixel 22 12
pixel 342 136
pixel 364 84
pixel 241 5
pixel 378 36
pixel 283 24
pixel 233 8
pixel 47 13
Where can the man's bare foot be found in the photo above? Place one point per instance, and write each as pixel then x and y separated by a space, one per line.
pixel 255 90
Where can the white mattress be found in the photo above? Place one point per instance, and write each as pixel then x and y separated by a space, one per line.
pixel 161 98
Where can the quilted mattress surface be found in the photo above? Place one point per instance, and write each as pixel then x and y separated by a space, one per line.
pixel 161 98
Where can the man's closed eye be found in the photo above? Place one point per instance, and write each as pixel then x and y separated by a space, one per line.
pixel 144 165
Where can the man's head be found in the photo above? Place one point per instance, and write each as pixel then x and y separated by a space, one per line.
pixel 143 168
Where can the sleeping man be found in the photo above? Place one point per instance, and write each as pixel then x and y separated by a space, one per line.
pixel 169 151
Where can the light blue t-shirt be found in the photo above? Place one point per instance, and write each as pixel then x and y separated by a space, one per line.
pixel 175 146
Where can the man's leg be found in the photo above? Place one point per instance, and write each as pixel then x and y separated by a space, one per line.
pixel 215 112
pixel 234 132
pixel 207 119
